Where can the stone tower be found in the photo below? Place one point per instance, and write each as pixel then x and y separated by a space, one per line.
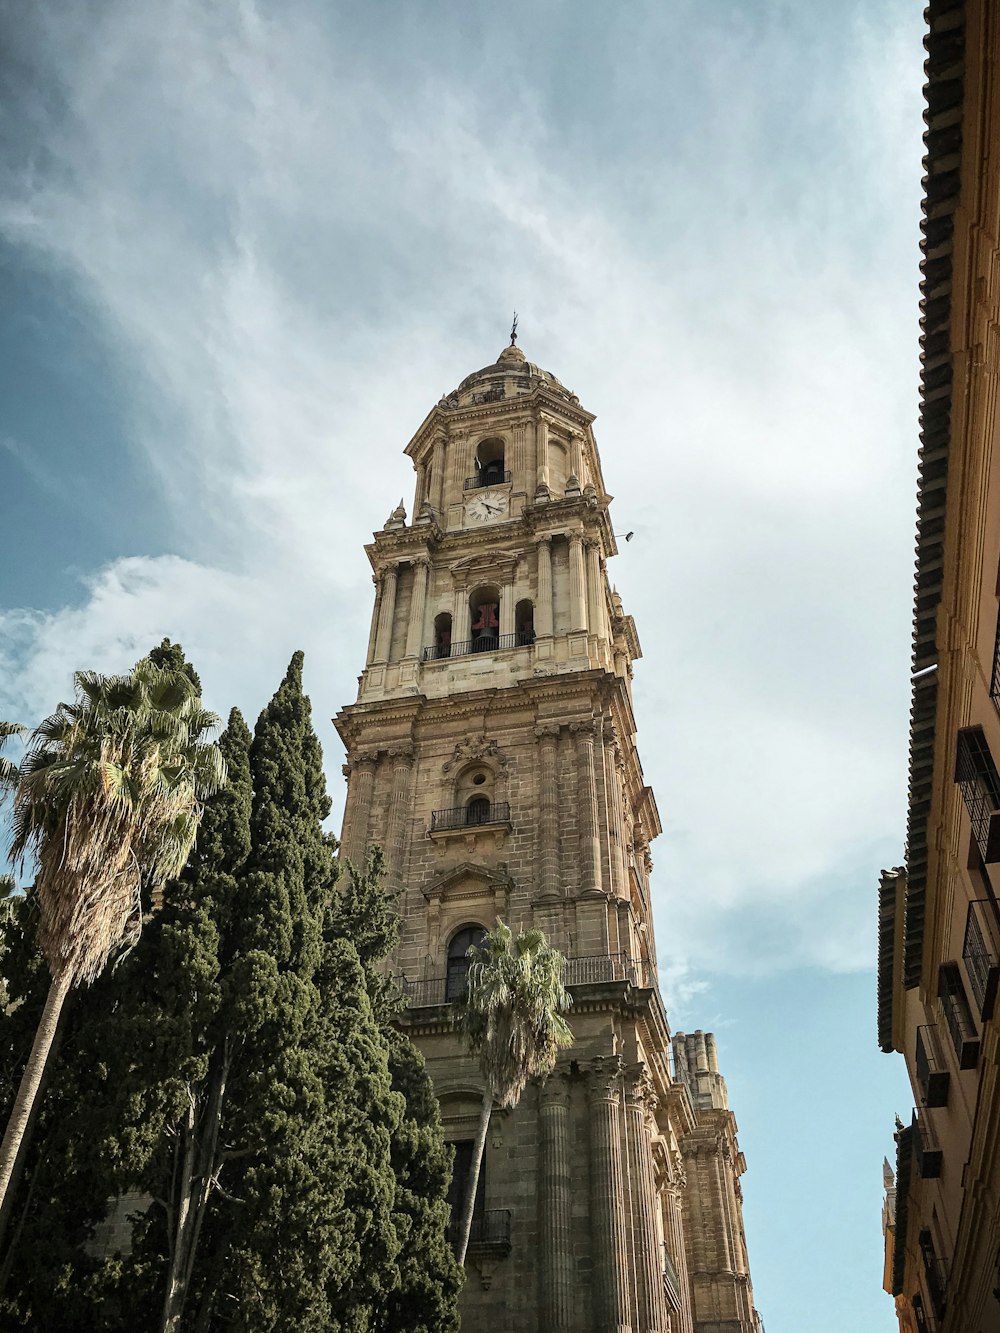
pixel 492 753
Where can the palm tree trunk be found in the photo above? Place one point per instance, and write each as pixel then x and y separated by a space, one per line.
pixel 32 1076
pixel 20 1161
pixel 469 1202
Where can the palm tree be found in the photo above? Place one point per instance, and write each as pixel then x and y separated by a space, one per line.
pixel 511 1017
pixel 107 799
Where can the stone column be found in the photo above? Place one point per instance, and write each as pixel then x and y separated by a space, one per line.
pixel 402 761
pixel 415 629
pixel 374 625
pixel 519 456
pixel 607 1199
pixel 576 459
pixel 673 1230
pixel 577 607
pixel 542 455
pixel 556 1190
pixel 595 591
pixel 387 610
pixel 438 474
pixel 507 606
pixel 650 1300
pixel 616 822
pixel 547 860
pixel 460 622
pixel 420 490
pixel 543 611
pixel 590 852
pixel 357 808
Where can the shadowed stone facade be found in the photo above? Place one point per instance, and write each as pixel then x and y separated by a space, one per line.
pixel 492 753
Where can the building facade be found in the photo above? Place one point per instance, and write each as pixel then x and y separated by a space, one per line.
pixel 939 915
pixel 492 753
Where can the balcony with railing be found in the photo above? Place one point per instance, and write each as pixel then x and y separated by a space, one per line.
pixel 926 1148
pixel 485 643
pixel 958 1016
pixel 591 970
pixel 488 477
pixel 490 1232
pixel 933 1078
pixel 474 815
pixel 979 953
pixel 671 1282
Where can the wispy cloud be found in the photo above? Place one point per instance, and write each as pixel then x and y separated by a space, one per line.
pixel 299 242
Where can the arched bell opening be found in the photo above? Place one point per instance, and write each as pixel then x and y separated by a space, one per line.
pixel 442 634
pixel 484 624
pixel 524 622
pixel 490 463
pixel 459 945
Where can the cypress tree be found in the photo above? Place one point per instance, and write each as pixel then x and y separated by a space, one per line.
pixel 425 1299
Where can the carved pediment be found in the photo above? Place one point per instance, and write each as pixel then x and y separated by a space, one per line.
pixel 474 747
pixel 468 880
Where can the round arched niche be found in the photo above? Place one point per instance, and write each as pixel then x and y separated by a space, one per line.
pixel 490 461
pixel 478 781
pixel 484 617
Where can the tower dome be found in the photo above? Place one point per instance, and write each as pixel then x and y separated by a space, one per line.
pixel 510 376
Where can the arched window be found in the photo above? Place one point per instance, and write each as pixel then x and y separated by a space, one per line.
pixel 477 811
pixel 489 463
pixel 484 606
pixel 524 622
pixel 442 634
pixel 458 963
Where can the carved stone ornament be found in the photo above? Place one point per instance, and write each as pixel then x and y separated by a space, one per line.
pixel 548 731
pixel 604 1078
pixel 402 751
pixel 361 758
pixel 472 748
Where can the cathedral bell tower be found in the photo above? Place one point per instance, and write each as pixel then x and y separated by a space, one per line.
pixel 492 753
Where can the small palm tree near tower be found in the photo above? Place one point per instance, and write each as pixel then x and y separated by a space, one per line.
pixel 511 1015
pixel 107 800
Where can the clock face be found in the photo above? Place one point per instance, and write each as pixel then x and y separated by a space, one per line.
pixel 486 507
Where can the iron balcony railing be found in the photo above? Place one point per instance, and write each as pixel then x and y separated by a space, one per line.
pixel 484 478
pixel 423 992
pixel 980 956
pixel 486 643
pixel 470 816
pixel 491 1228
pixel 593 969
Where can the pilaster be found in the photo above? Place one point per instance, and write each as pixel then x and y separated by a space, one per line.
pixel 555 1196
pixel 607 1198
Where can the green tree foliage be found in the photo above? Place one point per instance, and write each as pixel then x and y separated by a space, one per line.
pixel 240 1069
pixel 425 1299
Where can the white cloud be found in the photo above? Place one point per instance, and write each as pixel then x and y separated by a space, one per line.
pixel 298 252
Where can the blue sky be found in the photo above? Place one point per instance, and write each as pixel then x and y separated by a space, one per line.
pixel 244 247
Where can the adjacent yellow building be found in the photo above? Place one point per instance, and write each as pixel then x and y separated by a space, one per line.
pixel 939 916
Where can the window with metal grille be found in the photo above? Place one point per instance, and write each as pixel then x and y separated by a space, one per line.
pixel 995 678
pixel 976 774
pixel 958 1016
pixel 979 956
pixel 934 1274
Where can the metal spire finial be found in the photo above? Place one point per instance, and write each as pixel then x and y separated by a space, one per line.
pixel 513 331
